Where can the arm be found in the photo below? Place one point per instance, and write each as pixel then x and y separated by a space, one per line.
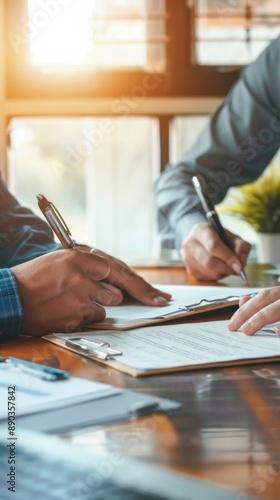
pixel 23 235
pixel 236 145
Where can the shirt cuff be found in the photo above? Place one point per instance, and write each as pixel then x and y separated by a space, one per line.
pixel 11 310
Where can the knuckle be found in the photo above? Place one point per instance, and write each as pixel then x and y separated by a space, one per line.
pixel 263 295
pixel 72 257
pixel 128 274
pixel 104 296
pixel 212 245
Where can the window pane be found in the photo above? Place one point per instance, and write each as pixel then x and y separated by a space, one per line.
pixel 99 172
pixel 98 33
pixel 183 133
pixel 234 32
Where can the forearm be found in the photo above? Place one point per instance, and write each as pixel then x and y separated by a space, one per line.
pixel 11 310
pixel 23 235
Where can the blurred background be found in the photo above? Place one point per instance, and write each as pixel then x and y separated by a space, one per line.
pixel 97 96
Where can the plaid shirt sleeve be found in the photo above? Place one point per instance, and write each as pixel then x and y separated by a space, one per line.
pixel 11 310
pixel 23 235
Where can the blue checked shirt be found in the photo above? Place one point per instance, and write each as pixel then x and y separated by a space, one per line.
pixel 11 311
pixel 23 236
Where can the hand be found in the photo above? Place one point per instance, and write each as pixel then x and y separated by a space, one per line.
pixel 124 278
pixel 208 259
pixel 62 291
pixel 256 312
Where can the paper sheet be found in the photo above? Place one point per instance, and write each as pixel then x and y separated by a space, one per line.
pixel 182 295
pixel 32 394
pixel 163 347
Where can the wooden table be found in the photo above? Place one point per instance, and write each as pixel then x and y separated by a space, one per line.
pixel 228 428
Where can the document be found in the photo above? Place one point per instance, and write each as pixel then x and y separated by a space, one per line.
pixel 186 300
pixel 162 349
pixel 31 395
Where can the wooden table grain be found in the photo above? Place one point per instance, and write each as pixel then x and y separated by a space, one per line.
pixel 228 427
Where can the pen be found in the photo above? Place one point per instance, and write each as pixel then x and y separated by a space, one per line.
pixel 41 371
pixel 213 218
pixel 56 222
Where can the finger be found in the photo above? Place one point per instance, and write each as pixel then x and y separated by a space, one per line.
pixel 204 266
pixel 84 313
pixel 122 276
pixel 94 265
pixel 268 314
pixel 109 295
pixel 277 330
pixel 94 314
pixel 244 299
pixel 103 293
pixel 258 308
pixel 216 248
pixel 145 293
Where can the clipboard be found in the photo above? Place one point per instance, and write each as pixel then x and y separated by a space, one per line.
pixel 187 300
pixel 123 405
pixel 203 306
pixel 171 348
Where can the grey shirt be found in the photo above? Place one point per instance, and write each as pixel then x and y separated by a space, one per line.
pixel 236 145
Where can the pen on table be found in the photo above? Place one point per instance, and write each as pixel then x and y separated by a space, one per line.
pixel 37 370
pixel 56 222
pixel 213 218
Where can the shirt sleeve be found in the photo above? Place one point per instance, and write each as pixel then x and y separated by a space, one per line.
pixel 11 310
pixel 23 235
pixel 238 142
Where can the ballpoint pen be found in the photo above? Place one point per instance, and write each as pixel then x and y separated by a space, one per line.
pixel 213 218
pixel 41 371
pixel 56 222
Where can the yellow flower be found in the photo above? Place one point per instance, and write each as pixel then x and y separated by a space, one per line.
pixel 258 203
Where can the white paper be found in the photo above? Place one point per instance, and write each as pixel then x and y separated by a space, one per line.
pixel 163 347
pixel 182 295
pixel 33 394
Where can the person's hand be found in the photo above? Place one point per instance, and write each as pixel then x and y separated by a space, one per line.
pixel 208 259
pixel 65 290
pixel 257 311
pixel 124 278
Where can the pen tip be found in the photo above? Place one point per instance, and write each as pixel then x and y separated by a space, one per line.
pixel 244 276
pixel 42 201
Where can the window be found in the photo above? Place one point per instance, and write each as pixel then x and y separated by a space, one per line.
pixel 98 174
pixel 109 91
pixel 97 33
pixel 234 32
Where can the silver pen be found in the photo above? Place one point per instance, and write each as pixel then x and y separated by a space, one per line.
pixel 56 222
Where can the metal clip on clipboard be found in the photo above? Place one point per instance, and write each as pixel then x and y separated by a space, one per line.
pixel 98 350
pixel 203 302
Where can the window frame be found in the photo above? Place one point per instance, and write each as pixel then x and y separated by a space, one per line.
pixel 183 77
